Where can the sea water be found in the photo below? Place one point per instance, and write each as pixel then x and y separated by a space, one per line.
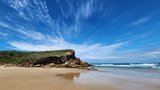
pixel 122 76
pixel 147 70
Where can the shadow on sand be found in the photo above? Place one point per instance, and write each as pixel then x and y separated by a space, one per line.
pixel 69 76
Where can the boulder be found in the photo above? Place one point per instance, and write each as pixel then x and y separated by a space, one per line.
pixel 51 65
pixel 85 64
pixel 67 63
pixel 38 65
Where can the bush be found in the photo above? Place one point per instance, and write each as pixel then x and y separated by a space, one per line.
pixel 20 56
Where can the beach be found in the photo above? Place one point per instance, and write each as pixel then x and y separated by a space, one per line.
pixel 18 78
pixel 15 78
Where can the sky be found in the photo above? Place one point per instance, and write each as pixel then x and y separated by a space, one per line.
pixel 98 30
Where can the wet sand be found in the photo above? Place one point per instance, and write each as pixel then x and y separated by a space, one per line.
pixel 14 78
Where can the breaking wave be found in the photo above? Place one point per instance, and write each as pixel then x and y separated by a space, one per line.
pixel 129 65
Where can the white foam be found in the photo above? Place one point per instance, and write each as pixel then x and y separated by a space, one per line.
pixel 131 65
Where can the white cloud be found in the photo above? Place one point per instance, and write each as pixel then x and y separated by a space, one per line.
pixel 19 3
pixel 87 8
pixel 36 12
pixel 140 21
pixel 31 34
pixel 84 51
pixel 45 33
pixel 139 54
pixel 153 53
pixel 84 11
pixel 92 51
pixel 3 34
pixel 5 25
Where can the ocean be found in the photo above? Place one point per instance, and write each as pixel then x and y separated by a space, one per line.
pixel 122 76
pixel 145 70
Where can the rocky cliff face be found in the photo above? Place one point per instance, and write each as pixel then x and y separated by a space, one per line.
pixel 64 59
pixel 69 61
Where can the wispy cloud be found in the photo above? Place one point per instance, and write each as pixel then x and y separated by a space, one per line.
pixel 92 51
pixel 155 53
pixel 36 12
pixel 3 34
pixel 18 4
pixel 142 55
pixel 31 34
pixel 84 11
pixel 36 30
pixel 140 21
pixel 4 25
pixel 87 9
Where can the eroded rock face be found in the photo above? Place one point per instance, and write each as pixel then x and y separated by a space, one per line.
pixel 47 60
pixel 61 62
pixel 76 63
pixel 69 61
pixel 71 55
pixel 64 61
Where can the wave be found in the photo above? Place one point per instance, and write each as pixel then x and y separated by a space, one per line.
pixel 129 65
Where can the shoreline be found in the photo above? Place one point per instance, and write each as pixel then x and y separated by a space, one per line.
pixel 47 67
pixel 22 78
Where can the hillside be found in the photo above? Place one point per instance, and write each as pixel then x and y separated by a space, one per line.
pixel 56 58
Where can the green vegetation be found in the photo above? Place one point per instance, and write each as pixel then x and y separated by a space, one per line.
pixel 17 57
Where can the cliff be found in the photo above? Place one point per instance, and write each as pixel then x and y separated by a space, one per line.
pixel 57 58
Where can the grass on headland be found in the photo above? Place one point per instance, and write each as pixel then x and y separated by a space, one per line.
pixel 16 57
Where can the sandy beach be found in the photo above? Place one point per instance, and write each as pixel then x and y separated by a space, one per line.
pixel 16 78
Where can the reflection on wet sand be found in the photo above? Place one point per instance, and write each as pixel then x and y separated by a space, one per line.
pixel 69 76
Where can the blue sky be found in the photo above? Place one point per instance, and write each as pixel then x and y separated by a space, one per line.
pixel 98 30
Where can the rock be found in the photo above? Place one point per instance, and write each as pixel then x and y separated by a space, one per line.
pixel 63 65
pixel 31 65
pixel 9 65
pixel 71 55
pixel 64 59
pixel 73 63
pixel 67 63
pixel 38 65
pixel 90 68
pixel 85 64
pixel 51 65
pixel 77 61
pixel 75 66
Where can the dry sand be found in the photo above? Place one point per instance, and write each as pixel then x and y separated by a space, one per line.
pixel 16 78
